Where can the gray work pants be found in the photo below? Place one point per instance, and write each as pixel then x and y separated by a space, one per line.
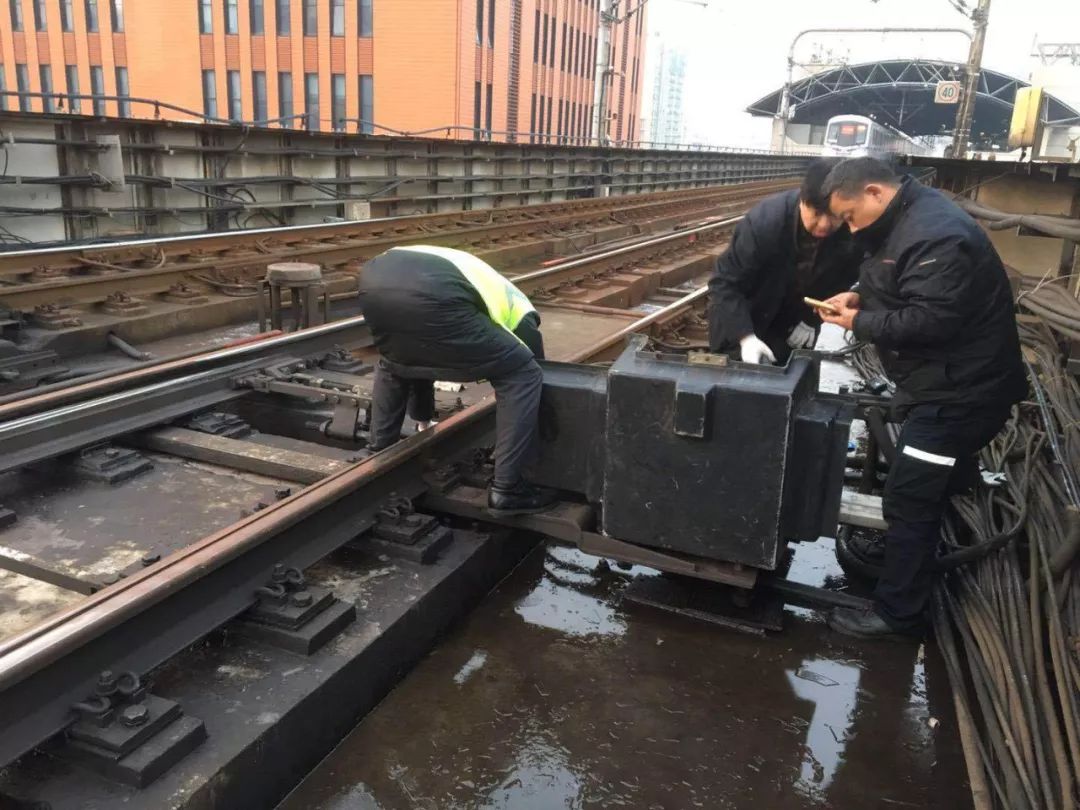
pixel 517 406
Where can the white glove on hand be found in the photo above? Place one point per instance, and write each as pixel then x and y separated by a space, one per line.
pixel 753 350
pixel 802 336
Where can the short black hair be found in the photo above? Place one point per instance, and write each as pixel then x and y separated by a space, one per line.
pixel 851 176
pixel 811 190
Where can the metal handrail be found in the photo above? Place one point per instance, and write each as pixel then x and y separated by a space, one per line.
pixel 480 134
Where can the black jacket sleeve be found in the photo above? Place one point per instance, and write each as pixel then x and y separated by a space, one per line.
pixel 529 333
pixel 935 281
pixel 731 287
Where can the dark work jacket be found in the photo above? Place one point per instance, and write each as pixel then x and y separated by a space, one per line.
pixel 936 301
pixel 429 322
pixel 753 290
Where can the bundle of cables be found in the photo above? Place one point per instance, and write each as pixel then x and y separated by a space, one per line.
pixel 1006 612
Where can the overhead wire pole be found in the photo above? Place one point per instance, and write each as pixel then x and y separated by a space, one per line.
pixel 980 18
pixel 609 18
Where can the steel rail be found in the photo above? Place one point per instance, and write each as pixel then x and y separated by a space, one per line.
pixel 360 229
pixel 540 278
pixel 147 618
pixel 68 277
pixel 303 231
pixel 146 372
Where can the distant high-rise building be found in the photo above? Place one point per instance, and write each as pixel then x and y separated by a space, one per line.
pixel 666 76
pixel 464 69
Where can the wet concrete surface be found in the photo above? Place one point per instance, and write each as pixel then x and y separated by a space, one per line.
pixel 555 693
pixel 79 533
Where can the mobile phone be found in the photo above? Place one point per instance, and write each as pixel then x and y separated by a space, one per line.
pixel 824 307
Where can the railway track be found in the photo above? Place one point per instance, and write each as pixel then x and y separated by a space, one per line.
pixel 183 269
pixel 304 487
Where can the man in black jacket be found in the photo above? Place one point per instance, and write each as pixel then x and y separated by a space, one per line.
pixel 443 314
pixel 934 298
pixel 788 246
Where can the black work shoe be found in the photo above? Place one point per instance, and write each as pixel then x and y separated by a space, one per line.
pixel 521 499
pixel 867 624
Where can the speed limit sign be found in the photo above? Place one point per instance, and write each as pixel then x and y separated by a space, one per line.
pixel 947 93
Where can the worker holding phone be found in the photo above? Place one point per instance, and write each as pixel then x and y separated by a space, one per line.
pixel 789 246
pixel 934 298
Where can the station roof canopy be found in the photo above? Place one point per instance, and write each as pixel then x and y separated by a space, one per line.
pixel 901 92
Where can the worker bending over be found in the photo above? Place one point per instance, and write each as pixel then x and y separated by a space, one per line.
pixel 443 314
pixel 788 246
pixel 934 298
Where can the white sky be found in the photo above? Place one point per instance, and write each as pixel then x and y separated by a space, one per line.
pixel 738 49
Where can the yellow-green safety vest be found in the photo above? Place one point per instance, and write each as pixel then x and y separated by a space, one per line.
pixel 506 304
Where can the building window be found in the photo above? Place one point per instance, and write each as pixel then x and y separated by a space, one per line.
pixel 123 90
pixel 491 23
pixel 16 15
pixel 39 15
pixel 209 94
pixel 92 16
pixel 71 76
pixel 117 10
pixel 540 121
pixel 311 100
pixel 367 104
pixel 67 16
pixel 364 20
pixel 554 28
pixel 206 17
pixel 232 94
pixel 479 21
pixel 487 111
pixel 311 18
pixel 255 14
pixel 543 48
pixel 232 16
pixel 284 24
pixel 48 103
pixel 97 89
pixel 22 79
pixel 562 52
pixel 532 119
pixel 258 95
pixel 284 99
pixel 536 38
pixel 3 90
pixel 476 110
pixel 337 101
pixel 337 19
pixel 559 121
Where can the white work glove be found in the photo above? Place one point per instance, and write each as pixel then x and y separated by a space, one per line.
pixel 753 350
pixel 802 336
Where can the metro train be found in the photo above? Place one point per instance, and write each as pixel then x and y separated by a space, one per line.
pixel 858 136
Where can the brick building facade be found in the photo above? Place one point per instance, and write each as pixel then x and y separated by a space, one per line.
pixel 455 68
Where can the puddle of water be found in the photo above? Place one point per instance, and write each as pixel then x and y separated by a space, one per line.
pixel 570 698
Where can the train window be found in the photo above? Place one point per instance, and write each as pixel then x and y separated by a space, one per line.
pixel 847 134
